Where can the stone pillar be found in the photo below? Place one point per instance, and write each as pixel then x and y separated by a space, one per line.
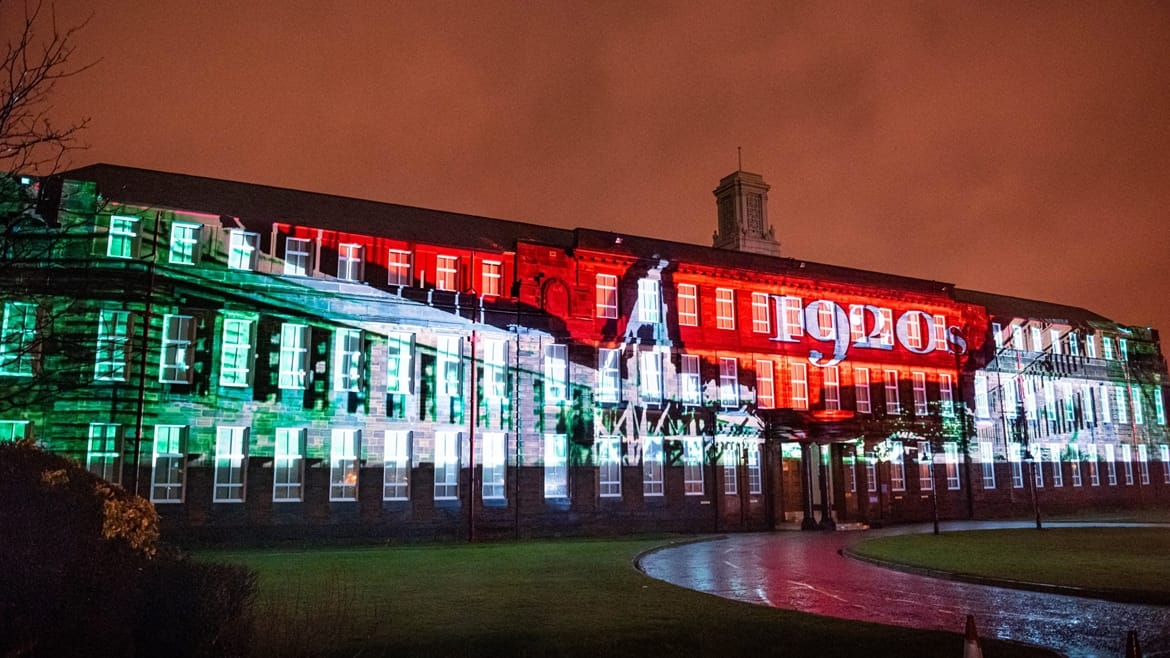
pixel 806 466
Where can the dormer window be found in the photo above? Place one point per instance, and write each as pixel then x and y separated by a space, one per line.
pixel 243 249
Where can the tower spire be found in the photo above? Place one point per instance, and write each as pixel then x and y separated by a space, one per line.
pixel 742 202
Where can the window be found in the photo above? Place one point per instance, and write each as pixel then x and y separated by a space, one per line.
pixel 1015 456
pixel 113 341
pixel 652 466
pixel 176 355
pixel 982 408
pixel 798 385
pixel 1159 406
pixel 1074 347
pixel 1120 395
pixel 761 322
pixel 946 395
pixel 692 465
pixel 1091 346
pixel 349 262
pixel 450 371
pixel 491 278
pixel 609 463
pixel 13 430
pixel 1018 338
pixel 18 339
pixel 724 308
pixel 123 238
pixel 861 388
pixel 649 301
pixel 398 267
pixel 940 333
pixel 1106 409
pixel 1075 467
pixel 925 466
pixel 914 331
pixel 951 454
pixel 997 334
pixel 168 465
pixel 608 375
pixel 688 305
pixel 236 356
pixel 294 355
pixel 1009 390
pixel 446 465
pixel 765 385
pixel 1138 417
pixel 886 334
pixel 396 465
pixel 344 447
pixel 1127 461
pixel 919 379
pixel 826 326
pixel 689 382
pixel 728 381
pixel 791 320
pixel 1107 344
pixel 987 458
pixel 755 479
pixel 347 359
pixel 1123 349
pixel 1164 455
pixel 1037 339
pixel 1143 453
pixel 893 404
pixel 494 371
pixel 556 466
pixel 1057 470
pixel 1038 468
pixel 651 376
pixel 493 465
pixel 298 256
pixel 832 388
pixel 730 459
pixel 288 474
pixel 447 273
pixel 399 364
pixel 231 454
pixel 184 243
pixel 1110 460
pixel 103 456
pixel 607 296
pixel 897 467
pixel 1094 476
pixel 243 248
pixel 556 373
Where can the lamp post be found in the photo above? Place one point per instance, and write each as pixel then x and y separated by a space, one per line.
pixel 1032 475
pixel 928 460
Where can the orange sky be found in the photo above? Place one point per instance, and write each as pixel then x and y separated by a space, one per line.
pixel 1019 148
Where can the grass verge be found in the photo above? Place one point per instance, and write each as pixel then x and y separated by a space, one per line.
pixel 564 598
pixel 1104 558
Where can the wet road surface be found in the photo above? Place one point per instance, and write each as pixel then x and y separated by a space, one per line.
pixel 803 571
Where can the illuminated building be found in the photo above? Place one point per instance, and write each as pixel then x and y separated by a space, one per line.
pixel 275 363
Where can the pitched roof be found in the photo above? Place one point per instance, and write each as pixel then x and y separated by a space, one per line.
pixel 1017 307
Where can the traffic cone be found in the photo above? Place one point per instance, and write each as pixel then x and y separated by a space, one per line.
pixel 971 648
pixel 1132 648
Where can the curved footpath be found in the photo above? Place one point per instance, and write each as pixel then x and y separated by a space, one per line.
pixel 808 572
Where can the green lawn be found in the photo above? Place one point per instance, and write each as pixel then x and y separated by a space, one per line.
pixel 569 598
pixel 1108 558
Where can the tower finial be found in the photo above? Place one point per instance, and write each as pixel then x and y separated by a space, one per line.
pixel 739 158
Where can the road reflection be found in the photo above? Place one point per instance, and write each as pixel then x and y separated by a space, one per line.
pixel 803 571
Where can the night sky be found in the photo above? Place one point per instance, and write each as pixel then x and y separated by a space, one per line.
pixel 1018 148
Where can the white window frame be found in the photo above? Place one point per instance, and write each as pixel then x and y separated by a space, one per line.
pixel 897 467
pixel 650 376
pixel 1094 470
pixel 1127 460
pixel 765 384
pixel 754 474
pixel 688 305
pixel 12 431
pixel 724 308
pixel 649 301
pixel 449 370
pixel 398 267
pixel 693 483
pixel 491 278
pixel 243 250
pixel 293 365
pixel 761 319
pixel 229 483
pixel 893 401
pixel 288 465
pixel 951 457
pixel 1143 456
pixel 350 261
pixel 1136 403
pixel 925 466
pixel 946 394
pixel 399 363
pixel 1016 458
pixel 1164 455
pixel 1120 394
pixel 495 383
pixel 861 390
pixel 982 400
pixel 609 466
pixel 185 241
pixel 1054 453
pixel 607 296
pixel 832 388
pixel 921 408
pixel 176 352
pixel 103 454
pixel 396 464
pixel 447 465
pixel 1091 345
pixel 123 238
pixel 730 466
pixel 235 362
pixel 494 467
pixel 447 272
pixel 298 256
pixel 728 381
pixel 168 464
pixel 18 335
pixel 345 446
pixel 791 318
pixel 798 385
pixel 113 345
pixel 1111 464
pixel 556 373
pixel 940 333
pixel 690 380
pixel 1159 406
pixel 556 466
pixel 653 481
pixel 347 359
pixel 609 374
pixel 1107 345
pixel 987 459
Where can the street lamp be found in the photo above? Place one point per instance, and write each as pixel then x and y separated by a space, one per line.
pixel 1032 475
pixel 927 459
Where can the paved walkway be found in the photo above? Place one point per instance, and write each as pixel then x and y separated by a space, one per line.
pixel 803 571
